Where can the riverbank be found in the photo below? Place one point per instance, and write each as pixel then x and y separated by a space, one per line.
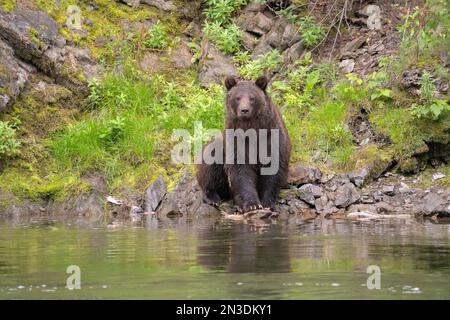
pixel 87 114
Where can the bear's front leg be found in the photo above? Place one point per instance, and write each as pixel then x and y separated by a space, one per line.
pixel 268 190
pixel 242 179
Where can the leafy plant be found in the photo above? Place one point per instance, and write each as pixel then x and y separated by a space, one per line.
pixel 220 11
pixel 311 32
pixel 9 145
pixel 227 39
pixel 264 64
pixel 431 108
pixel 157 37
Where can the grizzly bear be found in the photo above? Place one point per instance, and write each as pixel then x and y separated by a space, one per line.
pixel 251 113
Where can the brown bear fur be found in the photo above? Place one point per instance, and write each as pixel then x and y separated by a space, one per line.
pixel 248 107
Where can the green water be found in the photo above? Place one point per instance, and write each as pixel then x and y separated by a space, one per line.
pixel 217 259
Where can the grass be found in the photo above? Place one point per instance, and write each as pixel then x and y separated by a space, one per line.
pixel 123 131
pixel 130 123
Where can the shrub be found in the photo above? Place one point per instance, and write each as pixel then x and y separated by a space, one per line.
pixel 220 11
pixel 263 65
pixel 9 145
pixel 311 32
pixel 227 39
pixel 157 37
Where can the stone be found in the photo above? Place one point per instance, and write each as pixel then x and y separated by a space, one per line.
pixel 373 14
pixel 164 5
pixel 301 175
pixel 46 49
pixel 205 210
pixel 182 56
pixel 13 76
pixel 432 202
pixel 214 66
pixel 321 203
pixel 249 41
pixel 353 46
pixel 259 24
pixel 306 193
pixel 347 65
pixel 154 195
pixel 358 177
pixel 346 195
pixel 388 190
pixel 294 53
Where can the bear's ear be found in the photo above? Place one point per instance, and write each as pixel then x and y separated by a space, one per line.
pixel 262 82
pixel 230 82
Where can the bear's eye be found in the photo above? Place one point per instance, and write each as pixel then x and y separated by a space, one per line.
pixel 238 98
pixel 252 99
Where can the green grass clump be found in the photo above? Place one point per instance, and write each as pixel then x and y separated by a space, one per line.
pixel 9 143
pixel 265 64
pixel 130 123
pixel 157 37
pixel 227 39
pixel 8 5
pixel 221 10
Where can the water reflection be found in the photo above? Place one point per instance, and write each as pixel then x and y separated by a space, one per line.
pixel 214 258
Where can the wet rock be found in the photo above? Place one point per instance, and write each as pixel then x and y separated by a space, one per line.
pixel 433 203
pixel 347 65
pixel 346 195
pixel 91 204
pixel 214 66
pixel 154 194
pixel 207 211
pixel 383 207
pixel 301 175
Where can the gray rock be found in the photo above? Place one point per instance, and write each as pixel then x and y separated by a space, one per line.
pixel 432 202
pixel 306 193
pixel 302 175
pixel 347 65
pixel 13 76
pixel 321 203
pixel 373 14
pixel 154 194
pixel 182 56
pixel 214 66
pixel 259 24
pixel 294 53
pixel 43 47
pixel 346 195
pixel 281 36
pixel 249 41
pixel 352 46
pixel 388 190
pixel 358 177
pixel 164 5
pixel 205 210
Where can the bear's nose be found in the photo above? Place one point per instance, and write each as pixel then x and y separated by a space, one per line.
pixel 244 111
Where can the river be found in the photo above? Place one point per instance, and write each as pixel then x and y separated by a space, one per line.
pixel 224 259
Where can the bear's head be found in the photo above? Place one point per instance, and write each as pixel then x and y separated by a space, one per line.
pixel 245 99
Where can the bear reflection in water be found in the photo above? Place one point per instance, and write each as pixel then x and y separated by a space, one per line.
pixel 235 247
